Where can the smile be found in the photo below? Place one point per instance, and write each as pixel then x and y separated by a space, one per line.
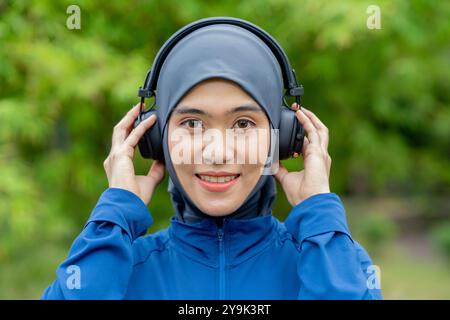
pixel 217 181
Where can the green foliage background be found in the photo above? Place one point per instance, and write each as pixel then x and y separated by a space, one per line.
pixel 384 94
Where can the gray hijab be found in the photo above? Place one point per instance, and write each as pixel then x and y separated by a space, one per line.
pixel 232 53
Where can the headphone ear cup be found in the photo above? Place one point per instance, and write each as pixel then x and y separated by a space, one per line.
pixel 291 134
pixel 150 144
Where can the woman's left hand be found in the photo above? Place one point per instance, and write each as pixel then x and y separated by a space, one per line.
pixel 314 178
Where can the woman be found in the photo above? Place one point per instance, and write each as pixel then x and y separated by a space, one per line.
pixel 223 241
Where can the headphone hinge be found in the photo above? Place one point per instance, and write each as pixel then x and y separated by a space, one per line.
pixel 145 93
pixel 296 91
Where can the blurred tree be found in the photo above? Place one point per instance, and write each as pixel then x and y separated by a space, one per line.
pixel 384 94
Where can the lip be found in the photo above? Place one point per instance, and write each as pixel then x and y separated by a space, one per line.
pixel 217 186
pixel 217 173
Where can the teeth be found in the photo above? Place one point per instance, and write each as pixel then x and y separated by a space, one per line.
pixel 216 179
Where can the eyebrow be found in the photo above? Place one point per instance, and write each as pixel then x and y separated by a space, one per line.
pixel 193 110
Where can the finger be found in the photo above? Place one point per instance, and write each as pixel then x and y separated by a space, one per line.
pixel 123 127
pixel 310 129
pixel 281 173
pixel 328 162
pixel 156 170
pixel 139 131
pixel 321 128
pixel 131 115
pixel 317 122
pixel 294 106
pixel 305 145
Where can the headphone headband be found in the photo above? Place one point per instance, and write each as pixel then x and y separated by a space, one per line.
pixel 289 78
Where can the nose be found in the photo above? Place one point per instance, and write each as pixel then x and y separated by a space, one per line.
pixel 217 147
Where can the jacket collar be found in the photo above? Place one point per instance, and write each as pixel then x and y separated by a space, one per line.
pixel 242 238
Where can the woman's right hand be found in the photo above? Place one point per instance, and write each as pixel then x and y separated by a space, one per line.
pixel 119 163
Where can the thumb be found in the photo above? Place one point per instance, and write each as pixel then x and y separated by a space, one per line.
pixel 305 145
pixel 281 173
pixel 157 171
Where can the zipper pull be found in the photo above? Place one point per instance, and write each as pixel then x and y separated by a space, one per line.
pixel 220 234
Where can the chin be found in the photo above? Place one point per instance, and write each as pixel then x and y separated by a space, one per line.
pixel 218 209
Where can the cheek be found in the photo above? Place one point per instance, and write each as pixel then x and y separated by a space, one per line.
pixel 250 176
pixel 184 172
pixel 252 171
pixel 178 144
pixel 255 149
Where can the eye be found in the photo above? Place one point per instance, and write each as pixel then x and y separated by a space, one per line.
pixel 243 124
pixel 192 123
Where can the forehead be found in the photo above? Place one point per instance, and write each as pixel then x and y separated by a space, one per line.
pixel 218 95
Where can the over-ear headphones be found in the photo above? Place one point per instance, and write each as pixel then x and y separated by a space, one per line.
pixel 291 132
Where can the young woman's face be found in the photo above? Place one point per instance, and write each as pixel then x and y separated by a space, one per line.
pixel 220 130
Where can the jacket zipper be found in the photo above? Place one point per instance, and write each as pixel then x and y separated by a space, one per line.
pixel 221 265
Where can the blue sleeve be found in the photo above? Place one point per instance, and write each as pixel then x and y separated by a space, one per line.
pixel 331 265
pixel 103 250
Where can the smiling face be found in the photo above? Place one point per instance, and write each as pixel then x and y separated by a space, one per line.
pixel 219 127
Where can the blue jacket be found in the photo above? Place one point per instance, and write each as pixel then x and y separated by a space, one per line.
pixel 310 256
